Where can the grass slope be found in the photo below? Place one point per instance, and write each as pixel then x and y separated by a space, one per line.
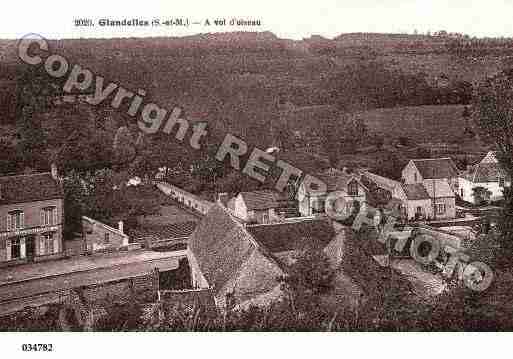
pixel 421 123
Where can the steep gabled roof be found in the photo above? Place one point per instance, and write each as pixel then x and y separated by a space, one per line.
pixel 380 181
pixel 259 200
pixel 488 172
pixel 436 168
pixel 29 188
pixel 491 157
pixel 293 235
pixel 221 245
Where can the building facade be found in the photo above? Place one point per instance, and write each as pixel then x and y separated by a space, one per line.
pixel 31 218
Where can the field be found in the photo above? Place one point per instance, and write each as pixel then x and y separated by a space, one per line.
pixel 422 123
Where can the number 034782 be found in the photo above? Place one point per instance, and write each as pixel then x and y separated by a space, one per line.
pixel 37 347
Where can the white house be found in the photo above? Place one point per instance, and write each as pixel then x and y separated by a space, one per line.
pixel 486 174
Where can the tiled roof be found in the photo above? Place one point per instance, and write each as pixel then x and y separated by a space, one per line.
pixel 260 199
pixel 415 191
pixel 382 182
pixel 29 188
pixel 221 245
pixel 436 168
pixel 175 230
pixel 488 172
pixel 293 235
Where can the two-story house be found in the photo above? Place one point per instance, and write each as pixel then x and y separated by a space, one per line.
pixel 420 170
pixel 348 186
pixel 31 217
pixel 429 187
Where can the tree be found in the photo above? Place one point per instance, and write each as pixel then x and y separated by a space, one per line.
pixel 9 159
pixel 481 195
pixel 32 144
pixel 310 276
pixel 342 135
pixel 493 115
pixel 74 205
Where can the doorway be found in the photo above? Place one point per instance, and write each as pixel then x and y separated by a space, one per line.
pixel 30 248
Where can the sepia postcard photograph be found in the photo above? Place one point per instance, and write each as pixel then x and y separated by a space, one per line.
pixel 281 178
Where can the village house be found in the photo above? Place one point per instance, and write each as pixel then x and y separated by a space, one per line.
pixel 349 187
pixel 429 187
pixel 487 175
pixel 31 217
pixel 100 237
pixel 428 200
pixel 422 170
pixel 256 206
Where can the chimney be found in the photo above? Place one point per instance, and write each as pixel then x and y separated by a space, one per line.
pixel 120 226
pixel 55 173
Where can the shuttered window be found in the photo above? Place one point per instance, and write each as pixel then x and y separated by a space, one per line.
pixel 49 216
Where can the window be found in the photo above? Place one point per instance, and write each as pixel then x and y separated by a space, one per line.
pixel 353 188
pixel 15 248
pixel 415 177
pixel 48 216
pixel 501 182
pixel 462 193
pixel 106 238
pixel 15 220
pixel 349 207
pixel 318 206
pixel 47 244
pixel 440 208
pixel 266 218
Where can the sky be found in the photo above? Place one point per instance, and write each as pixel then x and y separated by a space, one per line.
pixel 294 19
